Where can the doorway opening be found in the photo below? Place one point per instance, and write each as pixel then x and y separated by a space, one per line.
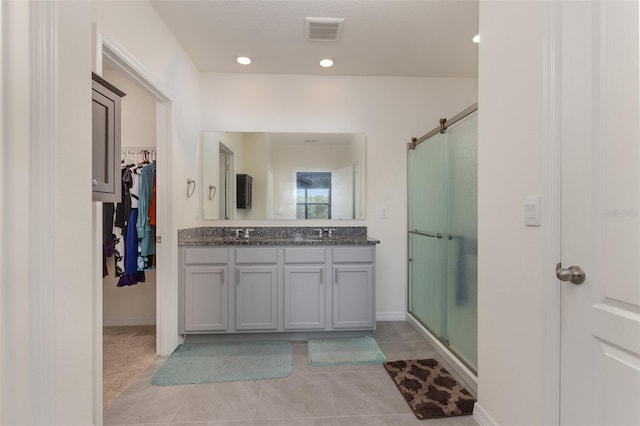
pixel 227 184
pixel 111 54
pixel 129 277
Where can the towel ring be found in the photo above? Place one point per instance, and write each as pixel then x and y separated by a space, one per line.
pixel 212 188
pixel 190 189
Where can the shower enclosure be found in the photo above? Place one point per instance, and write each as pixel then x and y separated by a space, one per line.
pixel 443 213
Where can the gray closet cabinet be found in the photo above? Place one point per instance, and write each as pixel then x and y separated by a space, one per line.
pixel 105 153
pixel 276 289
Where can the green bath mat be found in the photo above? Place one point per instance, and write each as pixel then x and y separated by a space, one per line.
pixel 225 362
pixel 349 351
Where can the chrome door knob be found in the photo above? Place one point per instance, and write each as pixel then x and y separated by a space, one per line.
pixel 575 274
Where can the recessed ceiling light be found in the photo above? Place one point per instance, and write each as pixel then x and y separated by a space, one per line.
pixel 326 63
pixel 243 60
pixel 476 38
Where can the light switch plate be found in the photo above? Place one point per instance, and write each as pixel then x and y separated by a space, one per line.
pixel 532 210
pixel 384 212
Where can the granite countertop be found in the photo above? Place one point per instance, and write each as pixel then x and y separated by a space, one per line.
pixel 211 236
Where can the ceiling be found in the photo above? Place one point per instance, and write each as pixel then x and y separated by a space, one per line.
pixel 424 38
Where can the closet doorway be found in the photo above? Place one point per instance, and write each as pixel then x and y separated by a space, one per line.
pixel 110 53
pixel 129 288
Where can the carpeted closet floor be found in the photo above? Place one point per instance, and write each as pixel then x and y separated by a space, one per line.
pixel 127 351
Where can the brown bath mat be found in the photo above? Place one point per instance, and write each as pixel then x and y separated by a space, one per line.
pixel 429 389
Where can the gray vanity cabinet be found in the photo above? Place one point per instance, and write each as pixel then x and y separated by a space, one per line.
pixel 295 289
pixel 204 292
pixel 304 288
pixel 256 288
pixel 353 287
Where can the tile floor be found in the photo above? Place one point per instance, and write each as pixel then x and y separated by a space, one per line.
pixel 311 396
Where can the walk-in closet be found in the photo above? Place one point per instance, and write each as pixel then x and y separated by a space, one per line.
pixel 129 275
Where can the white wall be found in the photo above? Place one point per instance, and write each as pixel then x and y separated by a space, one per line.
pixel 389 110
pixel 131 305
pixel 138 123
pixel 510 310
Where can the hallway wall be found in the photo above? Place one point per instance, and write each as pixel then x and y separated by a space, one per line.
pixel 510 254
pixel 47 323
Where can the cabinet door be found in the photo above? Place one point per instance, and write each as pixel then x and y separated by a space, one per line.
pixel 205 298
pixel 105 114
pixel 353 296
pixel 256 298
pixel 304 296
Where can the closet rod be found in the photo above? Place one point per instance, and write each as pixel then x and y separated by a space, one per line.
pixel 147 152
pixel 137 150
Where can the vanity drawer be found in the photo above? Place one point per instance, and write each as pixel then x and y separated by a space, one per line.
pixel 205 255
pixel 304 255
pixel 256 255
pixel 352 254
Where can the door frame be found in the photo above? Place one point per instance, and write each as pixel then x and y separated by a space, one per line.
pixel 230 185
pixel 551 212
pixel 107 48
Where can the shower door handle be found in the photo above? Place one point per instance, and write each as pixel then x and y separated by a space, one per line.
pixel 424 234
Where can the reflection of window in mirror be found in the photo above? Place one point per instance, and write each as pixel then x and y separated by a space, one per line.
pixel 313 195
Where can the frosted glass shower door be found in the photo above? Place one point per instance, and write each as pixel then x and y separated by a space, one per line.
pixel 443 228
pixel 462 239
pixel 427 215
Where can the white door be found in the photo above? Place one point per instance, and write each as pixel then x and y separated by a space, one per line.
pixel 600 119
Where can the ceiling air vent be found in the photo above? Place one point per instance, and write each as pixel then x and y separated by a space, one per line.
pixel 323 29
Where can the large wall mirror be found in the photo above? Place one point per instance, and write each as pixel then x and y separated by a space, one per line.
pixel 256 175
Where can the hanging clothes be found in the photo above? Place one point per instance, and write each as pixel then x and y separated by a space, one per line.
pixel 145 231
pixel 108 240
pixel 131 274
pixel 152 207
pixel 133 224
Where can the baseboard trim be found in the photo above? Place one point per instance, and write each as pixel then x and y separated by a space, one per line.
pixel 126 322
pixel 482 417
pixel 391 316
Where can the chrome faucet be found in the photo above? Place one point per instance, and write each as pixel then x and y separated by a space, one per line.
pixel 238 232
pixel 320 232
pixel 331 232
pixel 246 232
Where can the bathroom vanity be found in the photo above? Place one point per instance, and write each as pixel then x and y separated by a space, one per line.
pixel 300 281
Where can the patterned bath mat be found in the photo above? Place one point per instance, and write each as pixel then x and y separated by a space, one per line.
pixel 347 351
pixel 225 362
pixel 429 389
